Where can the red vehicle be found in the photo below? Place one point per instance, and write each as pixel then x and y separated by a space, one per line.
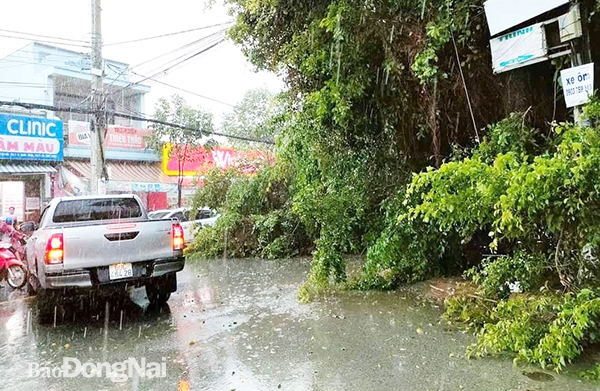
pixel 12 267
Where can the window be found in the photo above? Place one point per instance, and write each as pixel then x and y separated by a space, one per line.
pixel 179 216
pixel 42 216
pixel 96 209
pixel 204 214
pixel 157 215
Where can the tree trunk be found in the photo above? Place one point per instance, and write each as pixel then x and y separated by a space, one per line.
pixel 179 193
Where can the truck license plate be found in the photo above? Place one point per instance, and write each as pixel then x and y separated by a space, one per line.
pixel 120 270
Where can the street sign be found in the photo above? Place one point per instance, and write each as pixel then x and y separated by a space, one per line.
pixel 30 138
pixel 519 48
pixel 504 14
pixel 578 84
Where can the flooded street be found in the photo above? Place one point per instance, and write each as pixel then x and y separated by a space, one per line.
pixel 237 325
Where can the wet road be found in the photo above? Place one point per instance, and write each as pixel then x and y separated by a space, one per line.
pixel 236 325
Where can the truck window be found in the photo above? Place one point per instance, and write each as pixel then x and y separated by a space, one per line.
pixel 203 214
pixel 179 216
pixel 96 209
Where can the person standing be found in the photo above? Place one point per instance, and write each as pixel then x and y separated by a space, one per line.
pixel 11 218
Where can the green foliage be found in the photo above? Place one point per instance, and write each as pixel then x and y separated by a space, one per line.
pixel 439 209
pixel 509 135
pixel 192 123
pixel 502 196
pixel 525 271
pixel 195 123
pixel 550 330
pixel 358 120
pixel 256 220
pixel 258 116
pixel 591 111
pixel 591 374
pixel 472 311
pixel 214 193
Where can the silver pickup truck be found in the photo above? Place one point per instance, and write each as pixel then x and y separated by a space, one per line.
pixel 95 242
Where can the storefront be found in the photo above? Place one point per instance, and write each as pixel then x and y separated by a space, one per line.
pixel 31 147
pixel 131 166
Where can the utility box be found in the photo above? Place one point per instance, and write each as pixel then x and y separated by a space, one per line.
pixel 569 25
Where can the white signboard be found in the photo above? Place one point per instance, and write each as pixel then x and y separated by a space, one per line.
pixel 504 14
pixel 578 84
pixel 519 48
pixel 32 203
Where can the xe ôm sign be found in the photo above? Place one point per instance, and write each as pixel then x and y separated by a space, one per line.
pixel 578 84
pixel 30 138
pixel 519 48
pixel 117 137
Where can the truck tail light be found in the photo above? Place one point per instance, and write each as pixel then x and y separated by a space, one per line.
pixel 55 249
pixel 177 237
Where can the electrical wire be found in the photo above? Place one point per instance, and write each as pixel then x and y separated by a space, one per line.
pixel 170 68
pixel 45 36
pixel 187 91
pixel 46 41
pixel 188 45
pixel 167 35
pixel 203 132
pixel 127 116
pixel 183 61
pixel 24 83
pixel 192 46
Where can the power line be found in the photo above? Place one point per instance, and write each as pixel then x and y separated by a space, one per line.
pixel 32 106
pixel 188 45
pixel 155 121
pixel 44 36
pixel 46 41
pixel 168 68
pixel 184 90
pixel 25 83
pixel 191 44
pixel 167 35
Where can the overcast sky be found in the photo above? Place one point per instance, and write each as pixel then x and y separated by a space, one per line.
pixel 221 73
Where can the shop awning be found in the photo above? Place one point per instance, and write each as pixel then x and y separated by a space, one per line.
pixel 26 169
pixel 126 172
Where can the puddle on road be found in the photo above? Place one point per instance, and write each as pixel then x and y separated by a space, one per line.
pixel 539 376
pixel 237 324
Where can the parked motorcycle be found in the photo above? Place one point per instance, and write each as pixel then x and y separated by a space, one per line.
pixel 12 253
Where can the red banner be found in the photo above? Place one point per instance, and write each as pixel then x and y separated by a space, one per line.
pixel 202 160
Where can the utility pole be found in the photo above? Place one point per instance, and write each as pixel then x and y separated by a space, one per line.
pixel 97 123
pixel 581 52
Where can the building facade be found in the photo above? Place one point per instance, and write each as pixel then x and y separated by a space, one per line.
pixel 52 76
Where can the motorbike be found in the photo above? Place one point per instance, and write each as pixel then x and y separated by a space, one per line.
pixel 12 251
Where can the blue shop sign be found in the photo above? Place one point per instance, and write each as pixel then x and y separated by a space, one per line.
pixel 31 138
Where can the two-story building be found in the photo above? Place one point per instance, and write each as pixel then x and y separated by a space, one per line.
pixel 57 77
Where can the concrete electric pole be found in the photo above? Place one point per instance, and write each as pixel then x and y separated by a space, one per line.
pixel 97 123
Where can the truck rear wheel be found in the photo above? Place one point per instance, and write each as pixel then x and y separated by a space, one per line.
pixel 32 285
pixel 159 289
pixel 46 305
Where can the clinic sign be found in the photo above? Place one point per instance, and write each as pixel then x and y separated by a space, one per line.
pixel 30 138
